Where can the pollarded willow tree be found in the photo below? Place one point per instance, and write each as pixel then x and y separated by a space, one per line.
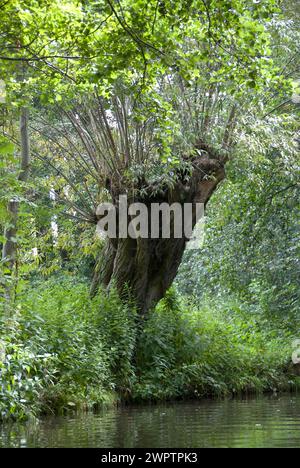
pixel 122 148
pixel 150 107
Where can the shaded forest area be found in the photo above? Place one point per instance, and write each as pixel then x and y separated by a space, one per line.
pixel 162 101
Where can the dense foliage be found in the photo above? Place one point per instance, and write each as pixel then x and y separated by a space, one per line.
pixel 252 243
pixel 62 351
pixel 135 97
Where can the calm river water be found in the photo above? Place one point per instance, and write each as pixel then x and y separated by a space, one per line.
pixel 256 422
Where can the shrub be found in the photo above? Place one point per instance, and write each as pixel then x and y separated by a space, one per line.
pixel 24 373
pixel 78 350
pixel 210 351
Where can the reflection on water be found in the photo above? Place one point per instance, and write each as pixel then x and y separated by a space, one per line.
pixel 259 422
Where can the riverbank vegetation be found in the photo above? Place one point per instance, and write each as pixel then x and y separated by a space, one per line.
pixel 164 102
pixel 62 351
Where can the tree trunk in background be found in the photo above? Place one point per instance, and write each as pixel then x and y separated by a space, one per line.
pixel 9 251
pixel 147 267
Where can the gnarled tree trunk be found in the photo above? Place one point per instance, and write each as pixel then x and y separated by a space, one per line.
pixel 147 267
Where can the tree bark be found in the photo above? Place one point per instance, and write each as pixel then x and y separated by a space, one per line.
pixel 146 268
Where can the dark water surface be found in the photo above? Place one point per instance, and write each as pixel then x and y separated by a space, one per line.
pixel 259 422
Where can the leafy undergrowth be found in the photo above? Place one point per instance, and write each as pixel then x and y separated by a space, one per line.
pixel 215 350
pixel 62 351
